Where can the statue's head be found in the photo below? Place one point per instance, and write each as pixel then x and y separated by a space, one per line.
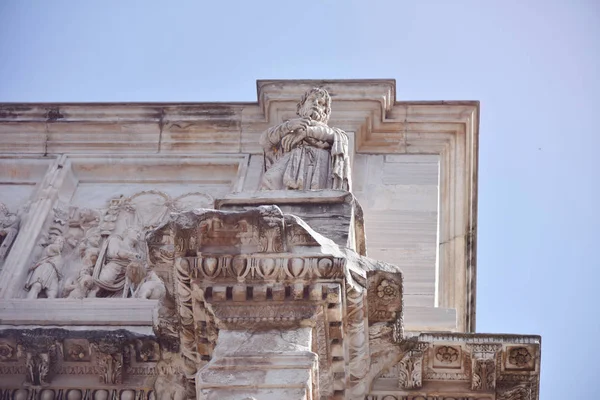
pixel 93 237
pixel 315 104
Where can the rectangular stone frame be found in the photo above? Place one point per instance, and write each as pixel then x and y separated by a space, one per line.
pixel 60 184
pixel 450 130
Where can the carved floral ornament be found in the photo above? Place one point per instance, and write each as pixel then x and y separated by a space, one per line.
pixel 447 354
pixel 7 352
pixel 520 358
pixel 461 359
pixel 387 290
pixel 77 352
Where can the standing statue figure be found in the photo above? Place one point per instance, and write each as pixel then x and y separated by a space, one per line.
pixel 9 227
pixel 305 153
pixel 116 254
pixel 45 274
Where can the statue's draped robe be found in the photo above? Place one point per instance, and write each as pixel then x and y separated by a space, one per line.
pixel 320 161
pixel 47 271
pixel 109 273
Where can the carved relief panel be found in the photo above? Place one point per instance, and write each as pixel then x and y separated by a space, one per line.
pixel 102 252
pixel 10 223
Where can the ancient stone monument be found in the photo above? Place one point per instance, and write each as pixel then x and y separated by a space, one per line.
pixel 247 251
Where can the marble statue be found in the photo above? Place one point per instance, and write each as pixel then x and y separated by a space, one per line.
pixel 9 227
pixel 304 153
pixel 141 282
pixel 45 274
pixel 116 254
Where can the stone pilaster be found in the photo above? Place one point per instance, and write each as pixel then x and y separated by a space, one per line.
pixel 269 365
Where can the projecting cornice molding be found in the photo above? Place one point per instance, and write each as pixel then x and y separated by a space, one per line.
pixel 366 107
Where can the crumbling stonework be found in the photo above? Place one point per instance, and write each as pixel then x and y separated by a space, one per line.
pixel 247 251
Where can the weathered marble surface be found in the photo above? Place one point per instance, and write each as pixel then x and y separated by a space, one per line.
pixel 165 323
pixel 305 153
pixel 335 214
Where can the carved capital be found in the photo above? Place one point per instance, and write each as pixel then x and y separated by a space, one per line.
pixel 484 360
pixel 37 366
pixel 40 354
pixel 109 359
pixel 410 368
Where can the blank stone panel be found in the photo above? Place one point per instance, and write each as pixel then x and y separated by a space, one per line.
pixel 410 170
pixel 14 196
pixel 399 195
pixel 18 177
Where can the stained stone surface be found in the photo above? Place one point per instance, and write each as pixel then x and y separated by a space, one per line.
pixel 335 214
pixel 144 253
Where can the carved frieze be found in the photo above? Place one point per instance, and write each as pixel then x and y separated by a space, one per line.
pixel 36 359
pixel 76 350
pixel 100 252
pixel 423 397
pixel 77 393
pixel 9 228
pixel 8 350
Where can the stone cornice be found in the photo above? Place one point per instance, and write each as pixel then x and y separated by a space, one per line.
pixel 366 107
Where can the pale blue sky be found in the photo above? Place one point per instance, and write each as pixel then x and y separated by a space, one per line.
pixel 533 65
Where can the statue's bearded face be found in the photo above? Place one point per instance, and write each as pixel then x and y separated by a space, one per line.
pixel 316 106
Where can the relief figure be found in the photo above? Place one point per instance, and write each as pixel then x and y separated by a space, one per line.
pixel 116 254
pixel 141 282
pixel 9 227
pixel 45 274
